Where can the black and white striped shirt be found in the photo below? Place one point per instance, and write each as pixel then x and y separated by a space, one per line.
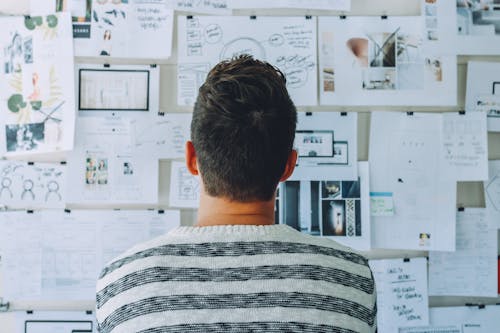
pixel 237 279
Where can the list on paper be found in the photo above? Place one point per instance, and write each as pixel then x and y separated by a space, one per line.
pixel 402 298
pixel 472 269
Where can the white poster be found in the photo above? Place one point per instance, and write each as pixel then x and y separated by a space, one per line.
pixel 402 298
pixel 406 163
pixel 478 27
pixel 470 319
pixel 471 270
pixel 483 91
pixel 336 209
pixel 374 61
pixel 184 187
pixel 327 145
pixel 36 86
pixel 340 5
pixel 55 322
pixel 118 90
pixel 164 135
pixel 58 255
pixel 121 29
pixel 32 185
pixel 106 169
pixel 286 42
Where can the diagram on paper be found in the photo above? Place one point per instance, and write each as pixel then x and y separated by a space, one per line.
pixel 286 42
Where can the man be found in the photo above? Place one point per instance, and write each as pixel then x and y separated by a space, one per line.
pixel 236 271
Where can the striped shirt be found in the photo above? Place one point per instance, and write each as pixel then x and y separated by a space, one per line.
pixel 237 279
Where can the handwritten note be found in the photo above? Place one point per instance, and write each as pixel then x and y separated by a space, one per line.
pixel 465 146
pixel 401 293
pixel 381 204
pixel 202 6
pixel 286 42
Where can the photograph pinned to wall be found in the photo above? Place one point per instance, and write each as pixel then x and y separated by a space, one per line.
pixel 164 135
pixel 407 165
pixel 37 88
pixel 105 168
pixel 118 90
pixel 32 185
pixel 286 42
pixel 326 143
pixel 184 187
pixel 81 14
pixel 478 27
pixel 335 209
pixel 483 91
pixel 121 28
pixel 374 61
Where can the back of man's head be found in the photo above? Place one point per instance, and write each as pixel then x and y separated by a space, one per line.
pixel 243 129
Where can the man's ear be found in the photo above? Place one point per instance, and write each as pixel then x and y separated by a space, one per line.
pixel 191 163
pixel 290 165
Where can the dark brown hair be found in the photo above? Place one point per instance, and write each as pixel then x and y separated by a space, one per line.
pixel 243 129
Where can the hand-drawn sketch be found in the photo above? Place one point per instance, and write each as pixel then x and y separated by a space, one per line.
pixel 184 187
pixel 373 61
pixel 286 42
pixel 330 208
pixel 121 28
pixel 32 185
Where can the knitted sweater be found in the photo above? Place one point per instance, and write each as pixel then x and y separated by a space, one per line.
pixel 237 279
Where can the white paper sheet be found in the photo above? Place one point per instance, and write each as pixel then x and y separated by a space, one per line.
pixel 472 269
pixel 58 255
pixel 286 42
pixel 483 90
pixel 477 27
pixel 470 319
pixel 220 7
pixel 55 322
pixel 127 29
pixel 32 185
pixel 431 329
pixel 440 33
pixel 20 248
pixel 465 146
pixel 36 86
pixel 332 208
pixel 341 5
pixel 118 90
pixel 492 192
pixel 26 7
pixel 370 61
pixel 164 135
pixel 327 146
pixel 184 187
pixel 402 298
pixel 105 168
pixel 406 161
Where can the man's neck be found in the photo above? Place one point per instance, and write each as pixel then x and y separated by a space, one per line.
pixel 220 211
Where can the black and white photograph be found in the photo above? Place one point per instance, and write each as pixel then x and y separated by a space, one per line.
pixel 314 143
pixel 478 17
pixel 24 137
